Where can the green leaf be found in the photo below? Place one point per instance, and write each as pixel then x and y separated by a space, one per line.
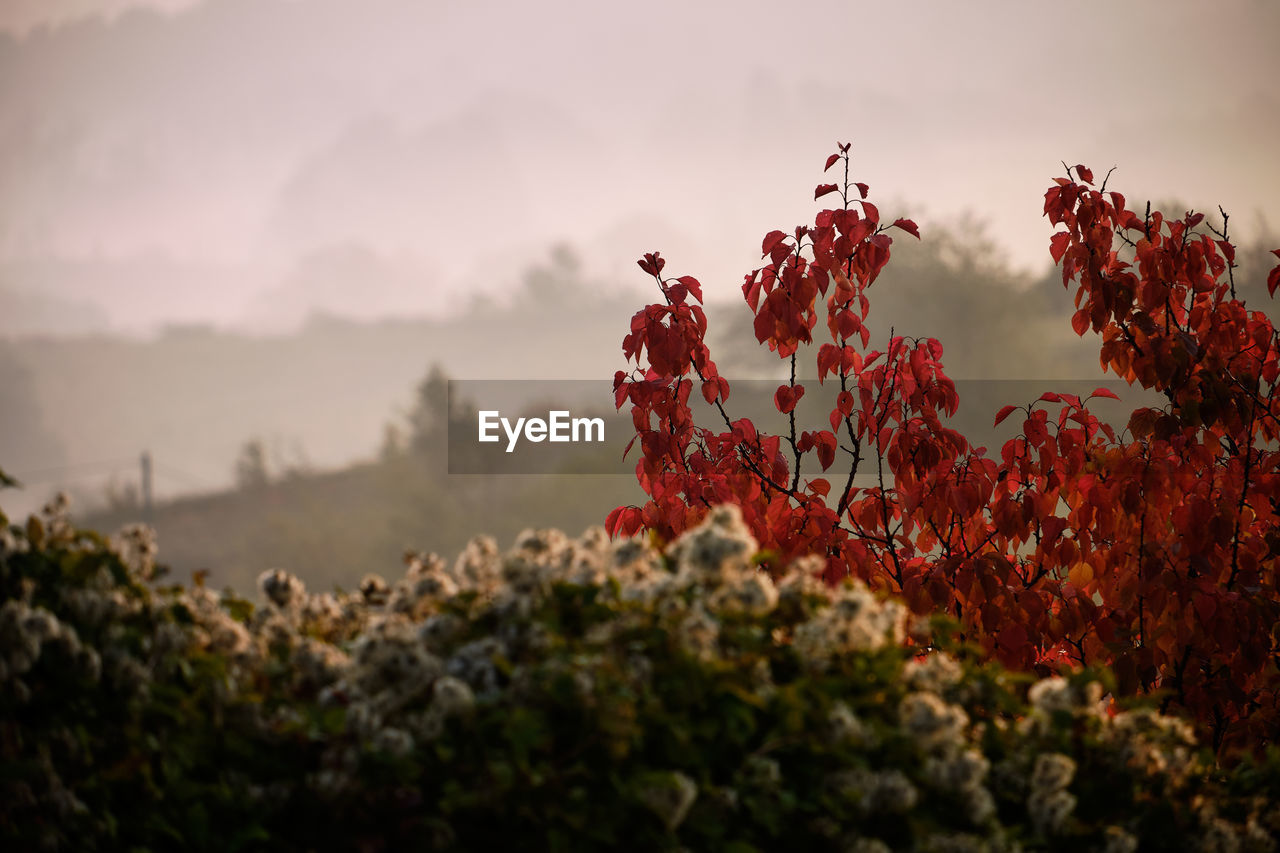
pixel 238 608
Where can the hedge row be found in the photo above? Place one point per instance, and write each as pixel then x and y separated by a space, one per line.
pixel 567 694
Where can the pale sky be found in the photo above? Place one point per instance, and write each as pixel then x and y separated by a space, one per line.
pixel 22 16
pixel 202 163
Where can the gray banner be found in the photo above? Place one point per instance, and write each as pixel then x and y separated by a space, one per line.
pixel 522 426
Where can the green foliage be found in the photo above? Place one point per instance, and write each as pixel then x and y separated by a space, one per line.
pixel 563 695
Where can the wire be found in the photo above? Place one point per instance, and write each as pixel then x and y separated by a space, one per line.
pixel 79 466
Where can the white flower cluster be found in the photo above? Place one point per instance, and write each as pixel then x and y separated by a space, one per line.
pixel 875 792
pixel 855 621
pixel 936 672
pixel 413 660
pixel 845 727
pixel 27 633
pixel 136 544
pixel 935 724
pixel 669 795
pixel 718 549
pixel 1055 694
pixel 216 630
pixel 1162 749
pixel 1050 804
pixel 953 766
pixel 1153 743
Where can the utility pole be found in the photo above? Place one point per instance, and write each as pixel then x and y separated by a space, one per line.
pixel 146 487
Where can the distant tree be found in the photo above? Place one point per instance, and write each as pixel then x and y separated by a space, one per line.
pixel 251 466
pixel 429 418
pixel 432 418
pixel 556 283
pixel 25 437
pixel 394 442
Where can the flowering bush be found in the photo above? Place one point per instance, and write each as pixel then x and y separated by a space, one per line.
pixel 563 694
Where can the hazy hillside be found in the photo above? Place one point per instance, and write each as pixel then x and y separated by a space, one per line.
pixel 318 399
pixel 334 528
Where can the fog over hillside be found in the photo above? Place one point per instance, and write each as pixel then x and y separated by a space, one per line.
pixel 229 220
pixel 187 161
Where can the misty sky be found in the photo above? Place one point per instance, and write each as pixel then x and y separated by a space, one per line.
pixel 245 161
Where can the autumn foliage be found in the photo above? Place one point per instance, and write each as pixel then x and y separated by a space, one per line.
pixel 1151 549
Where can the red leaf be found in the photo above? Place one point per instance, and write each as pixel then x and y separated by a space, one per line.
pixel 1080 321
pixel 693 285
pixel 1012 638
pixel 823 189
pixel 862 189
pixel 771 241
pixel 908 226
pixel 1205 607
pixel 1104 392
pixel 611 521
pixel 763 325
pixel 1058 245
pixel 1004 413
pixel 1085 173
pixel 623 521
pixel 1228 251
pixel 751 290
pixel 1051 528
pixel 831 161
pixel 620 390
pixel 786 397
pixel 844 403
pixel 828 355
pixel 1273 279
pixel 1050 397
pixel 1034 430
pixel 826 444
pixel 850 360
